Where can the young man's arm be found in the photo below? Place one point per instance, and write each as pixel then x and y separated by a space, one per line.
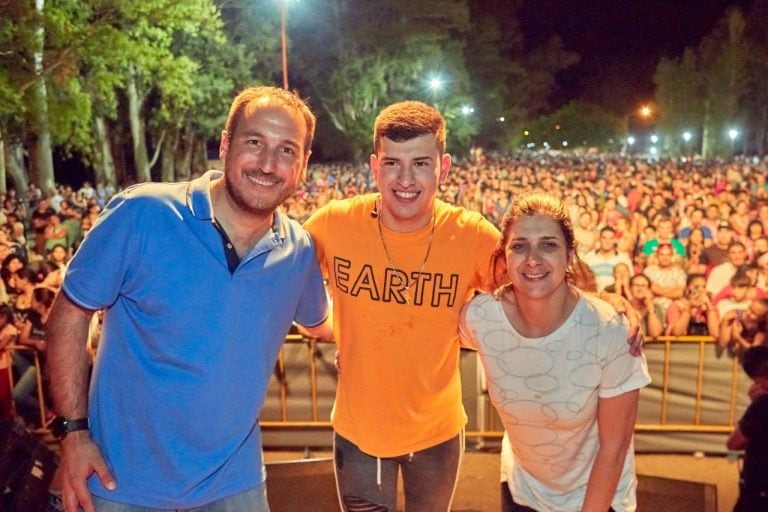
pixel 67 335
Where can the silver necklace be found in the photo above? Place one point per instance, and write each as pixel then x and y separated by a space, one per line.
pixel 403 284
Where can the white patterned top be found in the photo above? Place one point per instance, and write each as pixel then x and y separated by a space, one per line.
pixel 546 391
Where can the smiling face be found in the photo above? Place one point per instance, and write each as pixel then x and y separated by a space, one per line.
pixel 537 256
pixel 264 157
pixel 407 174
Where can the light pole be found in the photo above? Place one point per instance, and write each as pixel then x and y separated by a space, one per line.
pixel 732 134
pixel 645 113
pixel 284 43
pixel 687 136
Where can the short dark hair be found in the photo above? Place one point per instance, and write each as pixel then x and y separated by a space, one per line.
pixel 754 360
pixel 271 96
pixel 407 120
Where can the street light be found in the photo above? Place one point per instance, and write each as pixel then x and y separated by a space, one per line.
pixel 435 84
pixel 643 112
pixel 687 136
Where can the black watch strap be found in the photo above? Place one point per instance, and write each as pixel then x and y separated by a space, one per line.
pixel 60 427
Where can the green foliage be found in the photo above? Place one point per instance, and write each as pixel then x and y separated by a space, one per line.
pixel 706 89
pixel 579 124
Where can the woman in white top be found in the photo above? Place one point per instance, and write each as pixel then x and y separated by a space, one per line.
pixel 558 371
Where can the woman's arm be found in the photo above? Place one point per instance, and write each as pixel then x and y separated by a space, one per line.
pixel 615 423
pixel 678 317
pixel 724 334
pixel 713 320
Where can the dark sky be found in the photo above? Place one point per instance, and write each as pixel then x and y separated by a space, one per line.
pixel 620 41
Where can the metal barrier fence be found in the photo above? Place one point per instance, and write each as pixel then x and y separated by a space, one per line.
pixel 39 390
pixel 487 424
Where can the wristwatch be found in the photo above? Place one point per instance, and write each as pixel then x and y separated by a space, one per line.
pixel 60 427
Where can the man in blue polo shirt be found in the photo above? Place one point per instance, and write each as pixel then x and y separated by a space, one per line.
pixel 200 282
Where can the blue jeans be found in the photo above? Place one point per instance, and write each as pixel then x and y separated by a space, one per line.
pixel 254 500
pixel 369 483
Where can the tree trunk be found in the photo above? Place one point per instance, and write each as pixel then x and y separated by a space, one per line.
pixel 43 152
pixel 168 156
pixel 199 156
pixel 706 129
pixel 138 135
pixel 105 162
pixel 13 154
pixel 3 186
pixel 184 162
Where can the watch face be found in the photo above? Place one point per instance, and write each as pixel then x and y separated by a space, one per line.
pixel 57 427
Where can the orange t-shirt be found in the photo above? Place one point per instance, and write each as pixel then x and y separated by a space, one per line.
pixel 399 388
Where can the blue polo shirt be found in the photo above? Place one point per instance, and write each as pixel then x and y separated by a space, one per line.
pixel 188 347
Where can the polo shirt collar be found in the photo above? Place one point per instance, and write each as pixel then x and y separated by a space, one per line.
pixel 201 207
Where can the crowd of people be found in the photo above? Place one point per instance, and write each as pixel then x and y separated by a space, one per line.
pixel 686 242
pixel 683 242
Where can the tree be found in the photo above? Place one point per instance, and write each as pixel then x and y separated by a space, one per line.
pixel 577 124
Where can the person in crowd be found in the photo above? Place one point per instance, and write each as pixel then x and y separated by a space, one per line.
pixel 667 278
pixel 741 329
pixel 25 280
pixel 739 296
pixel 585 232
pixel 696 222
pixel 751 435
pixel 665 235
pixel 8 336
pixel 201 282
pixel 32 334
pixel 11 264
pixel 40 218
pixel 622 274
pixel 401 264
pixel 604 259
pixel 740 218
pixel 694 247
pixel 717 253
pixel 583 400
pixel 55 233
pixel 720 276
pixel 641 299
pixel 693 314
pixel 755 233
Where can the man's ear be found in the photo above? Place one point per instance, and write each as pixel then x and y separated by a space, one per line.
pixel 223 145
pixel 445 167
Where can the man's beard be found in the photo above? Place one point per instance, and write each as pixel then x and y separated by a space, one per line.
pixel 257 207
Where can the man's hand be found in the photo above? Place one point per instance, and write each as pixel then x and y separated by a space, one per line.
pixel 80 457
pixel 623 307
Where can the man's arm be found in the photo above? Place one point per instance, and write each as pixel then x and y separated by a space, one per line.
pixel 67 334
pixel 624 307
